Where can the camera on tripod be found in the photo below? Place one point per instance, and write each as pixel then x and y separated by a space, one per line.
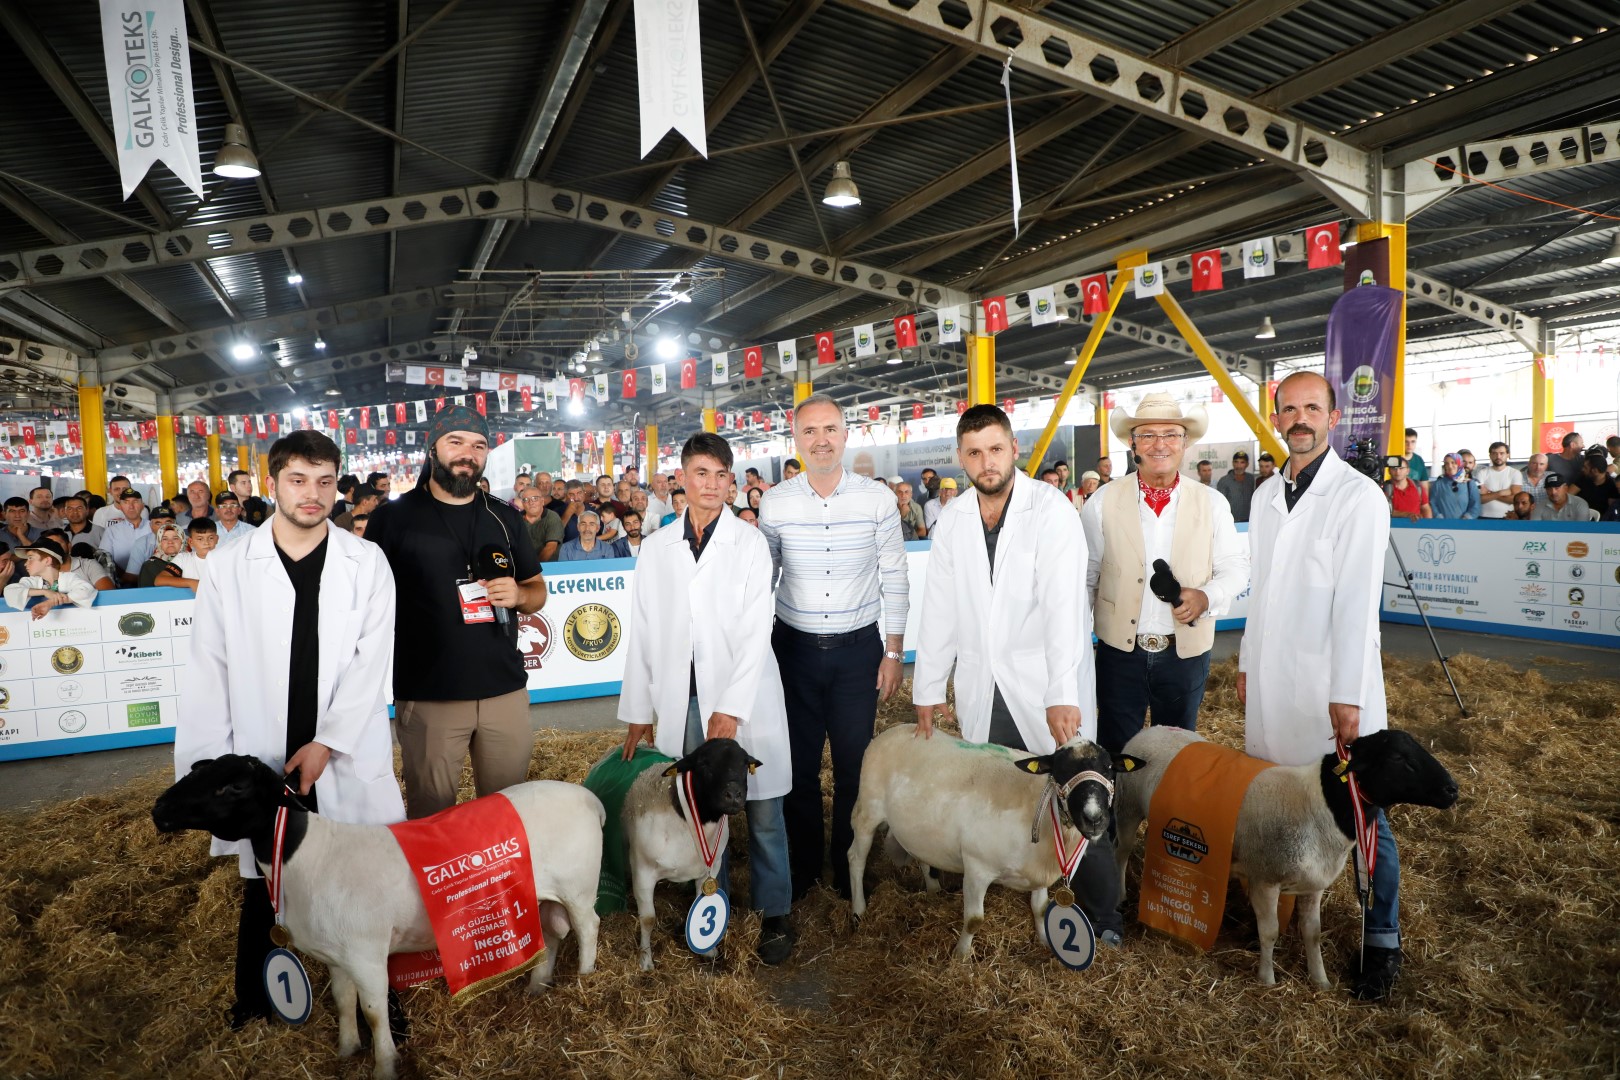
pixel 1363 456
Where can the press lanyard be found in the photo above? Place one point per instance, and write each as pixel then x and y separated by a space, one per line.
pixel 467 549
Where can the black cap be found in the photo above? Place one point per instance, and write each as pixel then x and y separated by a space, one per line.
pixel 1552 479
pixel 162 510
pixel 227 497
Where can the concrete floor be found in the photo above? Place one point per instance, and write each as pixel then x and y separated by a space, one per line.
pixel 28 783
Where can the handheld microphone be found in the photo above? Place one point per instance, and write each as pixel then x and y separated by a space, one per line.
pixel 1164 583
pixel 1136 457
pixel 495 562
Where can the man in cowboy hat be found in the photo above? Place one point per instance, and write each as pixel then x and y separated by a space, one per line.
pixel 1153 656
pixel 459 682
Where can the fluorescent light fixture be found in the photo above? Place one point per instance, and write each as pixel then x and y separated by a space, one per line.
pixel 235 158
pixel 668 348
pixel 893 360
pixel 841 190
pixel 1266 329
pixel 593 353
pixel 244 350
pixel 332 391
pixel 320 343
pixel 1072 359
pixel 295 278
pixel 1613 257
pixel 468 355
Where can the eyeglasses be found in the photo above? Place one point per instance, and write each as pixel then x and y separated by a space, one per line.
pixel 1154 440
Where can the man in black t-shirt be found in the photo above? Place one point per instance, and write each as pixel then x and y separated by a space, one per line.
pixel 459 681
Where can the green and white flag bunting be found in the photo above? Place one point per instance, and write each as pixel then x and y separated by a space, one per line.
pixel 601 388
pixel 950 323
pixel 865 340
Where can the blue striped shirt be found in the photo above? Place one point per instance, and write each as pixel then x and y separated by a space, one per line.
pixel 842 560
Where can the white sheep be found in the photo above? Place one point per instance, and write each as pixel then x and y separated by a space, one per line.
pixel 350 897
pixel 1295 825
pixel 968 808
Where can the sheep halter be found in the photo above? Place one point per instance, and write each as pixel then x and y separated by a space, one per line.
pixel 1052 797
pixel 710 854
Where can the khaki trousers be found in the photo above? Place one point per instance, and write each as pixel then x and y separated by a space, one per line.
pixel 435 737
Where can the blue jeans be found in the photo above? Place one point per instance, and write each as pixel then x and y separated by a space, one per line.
pixel 1129 684
pixel 1382 928
pixel 769 886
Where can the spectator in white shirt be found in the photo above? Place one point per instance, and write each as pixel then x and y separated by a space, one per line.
pixel 230 526
pixel 659 503
pixel 1535 476
pixel 1498 484
pixel 48 580
pixel 114 509
pixel 128 539
pixel 932 508
pixel 202 537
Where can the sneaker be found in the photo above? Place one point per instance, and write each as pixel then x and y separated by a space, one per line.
pixel 239 1016
pixel 1375 980
pixel 1112 939
pixel 775 940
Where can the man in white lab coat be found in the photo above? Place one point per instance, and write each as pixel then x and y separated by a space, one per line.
pixel 1310 672
pixel 1004 604
pixel 699 665
pixel 302 684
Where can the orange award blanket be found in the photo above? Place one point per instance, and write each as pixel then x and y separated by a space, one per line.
pixel 472 865
pixel 1188 849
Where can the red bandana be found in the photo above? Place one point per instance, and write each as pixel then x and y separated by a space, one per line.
pixel 1156 498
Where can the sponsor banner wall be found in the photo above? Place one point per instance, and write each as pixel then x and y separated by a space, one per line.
pixel 93 679
pixel 1552 580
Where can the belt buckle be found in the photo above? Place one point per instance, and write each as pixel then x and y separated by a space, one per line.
pixel 1153 643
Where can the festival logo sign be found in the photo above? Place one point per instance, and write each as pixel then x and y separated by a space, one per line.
pixel 592 631
pixel 143 655
pixel 1436 550
pixel 136 624
pixel 1576 549
pixel 535 640
pixel 72 722
pixel 67 660
pixel 1362 330
pixel 140 714
pixel 70 690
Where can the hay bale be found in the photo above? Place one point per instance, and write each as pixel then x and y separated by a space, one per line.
pixel 116 946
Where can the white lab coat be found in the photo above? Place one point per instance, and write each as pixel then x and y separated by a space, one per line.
pixel 233 692
pixel 1029 633
pixel 1312 632
pixel 715 612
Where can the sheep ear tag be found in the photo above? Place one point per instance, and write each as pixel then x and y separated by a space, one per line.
pixel 1069 935
pixel 286 984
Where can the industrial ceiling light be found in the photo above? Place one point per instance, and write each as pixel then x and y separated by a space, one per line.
pixel 332 391
pixel 295 278
pixel 235 158
pixel 667 348
pixel 1266 329
pixel 1613 256
pixel 1072 359
pixel 244 351
pixel 468 356
pixel 841 190
pixel 593 353
pixel 896 359
pixel 320 343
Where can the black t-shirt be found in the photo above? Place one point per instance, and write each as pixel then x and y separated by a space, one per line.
pixel 1597 494
pixel 304 658
pixel 431 546
pixel 255 510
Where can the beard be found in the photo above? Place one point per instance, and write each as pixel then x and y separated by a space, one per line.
pixel 985 488
pixel 457 487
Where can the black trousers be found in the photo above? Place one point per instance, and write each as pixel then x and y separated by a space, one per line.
pixel 1096 881
pixel 1130 684
pixel 831 697
pixel 253 942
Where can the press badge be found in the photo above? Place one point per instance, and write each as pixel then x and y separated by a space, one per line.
pixel 475 605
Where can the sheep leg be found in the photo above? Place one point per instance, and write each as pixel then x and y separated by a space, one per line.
pixel 865 823
pixel 1263 896
pixel 643 878
pixel 1310 928
pixel 975 883
pixel 371 980
pixel 554 924
pixel 1037 907
pixel 582 913
pixel 930 878
pixel 1127 822
pixel 344 999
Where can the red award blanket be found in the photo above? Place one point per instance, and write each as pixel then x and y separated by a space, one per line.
pixel 1188 849
pixel 472 865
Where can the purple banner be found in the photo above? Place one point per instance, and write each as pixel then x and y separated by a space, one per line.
pixel 1361 333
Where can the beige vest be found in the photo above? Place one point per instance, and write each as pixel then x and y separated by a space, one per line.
pixel 1125 568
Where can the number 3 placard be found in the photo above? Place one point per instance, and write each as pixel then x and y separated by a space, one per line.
pixel 1069 934
pixel 706 922
pixel 287 984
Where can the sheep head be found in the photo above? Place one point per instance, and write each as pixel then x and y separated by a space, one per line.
pixel 1392 768
pixel 1087 772
pixel 720 769
pixel 229 797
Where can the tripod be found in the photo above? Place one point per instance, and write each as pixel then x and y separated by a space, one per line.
pixel 1417 602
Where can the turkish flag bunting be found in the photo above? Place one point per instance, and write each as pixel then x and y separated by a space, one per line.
pixel 1008 404
pixel 871 412
pixel 905 332
pixel 1108 399
pixel 590 440
pixel 220 427
pixel 616 440
pixel 114 431
pixel 332 420
pixel 200 424
pixel 767 423
pixel 351 436
pixel 275 424
pixel 365 418
pixel 1094 290
pixel 753 362
pixel 508 381
pixel 500 437
pixel 995 314
pixel 917 411
pixel 28 435
pixel 389 436
pixel 399 412
pixel 1322 246
pixel 438 404
pixel 73 433
pixel 576 389
pixel 790 418
pixel 739 421
pixel 527 398
pixel 825 353
pixel 627 384
pixel 435 376
pixel 1215 396
pixel 689 373
pixel 758 416
pixel 961 407
pixel 174 422
pixel 481 402
pixel 1206 268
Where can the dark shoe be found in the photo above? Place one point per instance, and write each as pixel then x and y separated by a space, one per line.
pixel 1112 939
pixel 239 1016
pixel 1375 981
pixel 775 940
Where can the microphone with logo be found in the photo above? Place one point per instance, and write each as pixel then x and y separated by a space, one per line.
pixel 495 562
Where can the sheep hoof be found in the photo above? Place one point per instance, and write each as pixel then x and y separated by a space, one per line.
pixel 646 963
pixel 1268 979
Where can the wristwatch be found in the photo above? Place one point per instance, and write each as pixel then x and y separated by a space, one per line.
pixel 893 655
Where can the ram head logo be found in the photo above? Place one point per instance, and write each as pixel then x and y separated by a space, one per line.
pixel 1436 550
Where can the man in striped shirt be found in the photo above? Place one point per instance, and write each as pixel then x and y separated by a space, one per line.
pixel 841 604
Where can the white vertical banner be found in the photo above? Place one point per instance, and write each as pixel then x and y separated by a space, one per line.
pixel 421 412
pixel 1260 257
pixel 1043 309
pixel 489 380
pixel 551 395
pixel 149 82
pixel 660 378
pixel 950 323
pixel 1148 280
pixel 722 371
pixel 1012 146
pixel 669 69
pixel 505 398
pixel 787 353
pixel 865 340
pixel 601 388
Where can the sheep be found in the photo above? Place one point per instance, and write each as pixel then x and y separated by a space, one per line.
pixel 1295 827
pixel 967 808
pixel 663 844
pixel 351 899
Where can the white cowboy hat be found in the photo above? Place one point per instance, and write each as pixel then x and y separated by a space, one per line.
pixel 1159 409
